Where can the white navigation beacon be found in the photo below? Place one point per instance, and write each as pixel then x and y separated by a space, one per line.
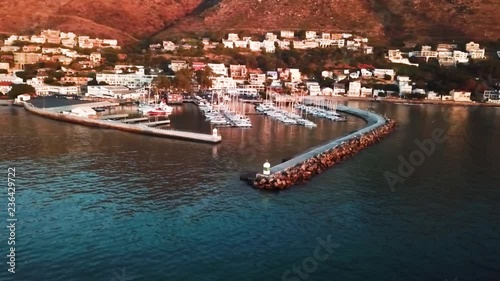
pixel 215 133
pixel 267 168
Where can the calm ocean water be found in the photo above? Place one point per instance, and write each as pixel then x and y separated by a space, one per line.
pixel 107 205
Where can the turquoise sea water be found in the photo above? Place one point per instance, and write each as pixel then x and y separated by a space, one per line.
pixel 106 205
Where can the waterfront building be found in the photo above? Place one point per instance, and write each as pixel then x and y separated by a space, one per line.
pixel 38 39
pixel 46 90
pixel 366 92
pixel 117 92
pixel 169 46
pixel 492 96
pixel 132 80
pixel 271 36
pixel 228 43
pixel 313 88
pixel 460 95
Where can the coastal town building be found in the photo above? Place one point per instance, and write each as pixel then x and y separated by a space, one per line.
pixel 117 92
pixel 176 65
pixel 22 59
pixel 492 96
pixel 354 89
pixel 218 69
pixel 131 81
pixel 460 95
pixel 223 83
pixel 238 71
pixel 287 34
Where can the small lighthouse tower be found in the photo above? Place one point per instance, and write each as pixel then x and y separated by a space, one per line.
pixel 266 168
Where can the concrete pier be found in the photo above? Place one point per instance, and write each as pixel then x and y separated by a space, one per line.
pixel 132 128
pixel 73 106
pixel 302 167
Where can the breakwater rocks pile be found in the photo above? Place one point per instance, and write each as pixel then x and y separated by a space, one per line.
pixel 304 171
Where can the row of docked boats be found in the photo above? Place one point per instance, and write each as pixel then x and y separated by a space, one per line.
pixel 222 115
pixel 160 109
pixel 316 111
pixel 283 115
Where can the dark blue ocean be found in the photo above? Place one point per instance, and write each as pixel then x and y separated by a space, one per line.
pixel 105 205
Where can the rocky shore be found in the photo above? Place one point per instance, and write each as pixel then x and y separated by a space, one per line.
pixel 304 171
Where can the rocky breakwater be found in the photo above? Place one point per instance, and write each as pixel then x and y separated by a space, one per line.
pixel 315 165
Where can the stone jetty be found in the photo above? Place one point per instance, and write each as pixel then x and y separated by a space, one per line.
pixel 302 168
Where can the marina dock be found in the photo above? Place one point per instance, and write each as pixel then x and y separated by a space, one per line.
pixel 132 128
pixel 133 120
pixel 156 123
pixel 91 105
pixel 114 116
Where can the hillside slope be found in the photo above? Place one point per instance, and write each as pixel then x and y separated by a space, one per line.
pixel 129 20
pixel 123 19
pixel 403 19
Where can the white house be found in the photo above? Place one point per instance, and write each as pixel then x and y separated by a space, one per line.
pixel 233 37
pixel 45 90
pixel 295 75
pixel 223 83
pixel 284 44
pixel 177 65
pixel 326 35
pixel 271 36
pixel 477 54
pixel 218 69
pixel 269 46
pixel 311 34
pixel 241 44
pixel 354 89
pixel 133 80
pixel 366 92
pixel 169 46
pixel 228 43
pixel 460 95
pixel 313 88
pixel 461 57
pixel 38 39
pixel 327 91
pixel 287 34
pixel 257 78
pixel 255 46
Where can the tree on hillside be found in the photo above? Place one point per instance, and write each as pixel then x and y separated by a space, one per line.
pixel 19 89
pixel 162 82
pixel 183 79
pixel 204 77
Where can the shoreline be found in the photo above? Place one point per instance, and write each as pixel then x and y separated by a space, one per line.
pixel 422 102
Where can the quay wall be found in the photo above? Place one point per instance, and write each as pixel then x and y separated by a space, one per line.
pixel 314 161
pixel 132 128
